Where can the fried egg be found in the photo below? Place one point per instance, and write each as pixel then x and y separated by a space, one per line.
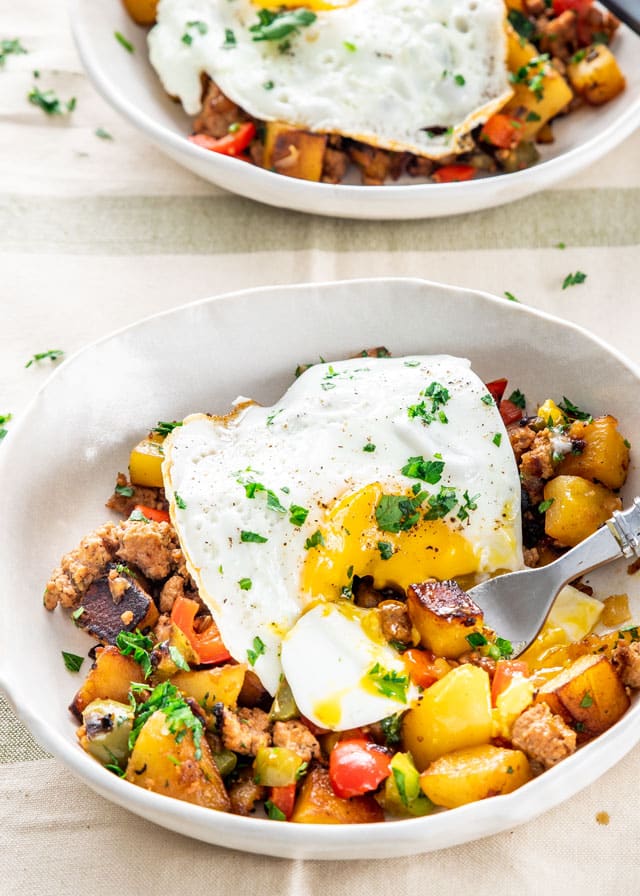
pixel 395 468
pixel 414 75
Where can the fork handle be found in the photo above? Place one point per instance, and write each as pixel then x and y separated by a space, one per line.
pixel 619 537
pixel 627 11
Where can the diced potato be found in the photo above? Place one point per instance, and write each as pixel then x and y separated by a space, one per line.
pixel 109 679
pixel 514 4
pixel 105 731
pixel 142 11
pixel 605 457
pixel 453 713
pixel 510 704
pixel 293 152
pixel 317 803
pixel 533 107
pixel 465 776
pixel 444 615
pixel 209 686
pixel 596 75
pixel 145 463
pixel 589 695
pixel 579 508
pixel 161 763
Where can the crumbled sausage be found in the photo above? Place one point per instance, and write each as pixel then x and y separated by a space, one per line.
pixel 543 735
pixel 141 494
pixel 559 35
pixel 172 589
pixel 217 113
pixel 117 585
pixel 245 730
pixel 395 622
pixel 295 736
pixel 80 567
pixel 626 659
pixel 334 165
pixel 244 793
pixel 521 438
pixel 536 466
pixel 148 546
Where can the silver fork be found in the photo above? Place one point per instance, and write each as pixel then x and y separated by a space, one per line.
pixel 516 604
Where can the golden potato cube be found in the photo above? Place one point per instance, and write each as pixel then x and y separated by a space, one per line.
pixel 589 695
pixel 616 610
pixel 143 12
pixel 293 152
pixel 209 686
pixel 443 615
pixel 579 508
pixel 145 463
pixel 595 76
pixel 452 714
pixel 164 764
pixel 605 457
pixel 109 679
pixel 519 51
pixel 317 803
pixel 475 773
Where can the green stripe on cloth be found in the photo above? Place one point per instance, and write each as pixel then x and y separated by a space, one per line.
pixel 197 225
pixel 16 743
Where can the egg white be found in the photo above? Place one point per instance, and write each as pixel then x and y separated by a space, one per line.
pixel 413 75
pixel 307 450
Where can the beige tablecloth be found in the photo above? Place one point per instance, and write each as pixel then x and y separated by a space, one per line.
pixel 95 234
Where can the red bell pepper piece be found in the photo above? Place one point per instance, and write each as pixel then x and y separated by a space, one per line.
pixel 503 131
pixel 452 173
pixel 509 412
pixel 207 644
pixel 496 389
pixel 357 766
pixel 283 798
pixel 420 667
pixel 158 516
pixel 229 145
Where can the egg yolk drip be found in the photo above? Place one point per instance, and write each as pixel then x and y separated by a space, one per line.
pixel 351 542
pixel 315 5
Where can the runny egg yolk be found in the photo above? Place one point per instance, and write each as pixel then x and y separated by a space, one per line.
pixel 353 543
pixel 315 5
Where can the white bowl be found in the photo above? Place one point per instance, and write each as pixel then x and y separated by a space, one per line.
pixel 130 85
pixel 59 463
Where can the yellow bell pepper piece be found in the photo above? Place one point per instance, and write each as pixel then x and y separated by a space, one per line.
pixel 145 463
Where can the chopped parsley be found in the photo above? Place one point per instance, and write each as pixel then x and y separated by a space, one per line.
pixel 391 728
pixel 442 504
pixel 572 410
pixel 72 661
pixel 511 296
pixel 586 701
pixel 180 502
pixel 278 25
pixel 137 516
pixel 533 116
pixel 386 550
pixel 245 584
pixel 178 659
pixel 122 40
pixel 523 25
pixel 369 447
pixel 532 75
pixel 4 418
pixel 164 427
pixel 252 537
pixel 487 399
pixel 349 46
pixel 389 682
pixel 466 505
pixel 397 513
pixel 10 47
pixel 579 56
pixel 574 279
pixel 297 514
pixel 180 717
pixel 268 85
pixel 501 649
pixel 315 540
pixel 104 135
pixel 459 80
pixel 77 614
pixel 200 27
pixel 138 646
pixel 52 354
pixel 126 491
pixel 560 246
pixel 476 639
pixel 251 489
pixel 258 650
pixel 545 505
pixel 273 416
pixel 497 439
pixel 518 398
pixel 427 470
pixel 439 396
pixel 229 39
pixel 274 813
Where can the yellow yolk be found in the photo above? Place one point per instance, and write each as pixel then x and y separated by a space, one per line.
pixel 314 5
pixel 354 544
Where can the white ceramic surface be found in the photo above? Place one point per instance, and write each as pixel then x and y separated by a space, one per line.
pixel 58 465
pixel 129 84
